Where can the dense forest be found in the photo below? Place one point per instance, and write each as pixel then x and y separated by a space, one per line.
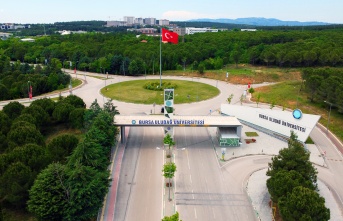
pixel 51 29
pixel 100 26
pixel 127 54
pixel 17 77
pixel 113 53
pixel 325 84
pixel 55 176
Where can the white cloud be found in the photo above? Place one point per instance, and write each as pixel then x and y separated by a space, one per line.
pixel 184 15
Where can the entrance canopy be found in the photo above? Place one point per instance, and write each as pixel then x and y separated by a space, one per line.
pixel 177 121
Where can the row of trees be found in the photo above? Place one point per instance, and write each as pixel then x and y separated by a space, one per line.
pixel 114 53
pixel 24 153
pixel 100 26
pixel 23 149
pixel 325 84
pixel 293 184
pixel 16 78
pixel 75 190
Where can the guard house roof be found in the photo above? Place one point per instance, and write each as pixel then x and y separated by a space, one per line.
pixel 228 132
pixel 181 121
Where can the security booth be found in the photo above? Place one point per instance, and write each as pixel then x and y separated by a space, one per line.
pixel 229 136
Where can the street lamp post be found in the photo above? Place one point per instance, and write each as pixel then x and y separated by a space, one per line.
pixel 70 87
pixel 327 127
pixel 145 70
pixel 76 68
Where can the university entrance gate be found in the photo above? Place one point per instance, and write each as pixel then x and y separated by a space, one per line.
pixel 229 129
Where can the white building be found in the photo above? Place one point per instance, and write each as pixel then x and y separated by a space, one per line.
pixel 163 22
pixel 150 21
pixel 116 24
pixel 249 29
pixel 191 30
pixel 27 40
pixel 277 123
pixel 129 20
pixel 7 26
pixel 4 35
pixel 139 21
pixel 144 30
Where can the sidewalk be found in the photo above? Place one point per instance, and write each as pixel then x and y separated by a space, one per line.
pixel 259 197
pixel 107 212
pixel 264 145
pixel 256 187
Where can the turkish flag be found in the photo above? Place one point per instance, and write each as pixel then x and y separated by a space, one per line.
pixel 170 36
pixel 30 93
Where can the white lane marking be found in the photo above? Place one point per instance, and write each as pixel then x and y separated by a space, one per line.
pixel 158 148
pixel 190 177
pixel 193 194
pixel 214 215
pixel 195 213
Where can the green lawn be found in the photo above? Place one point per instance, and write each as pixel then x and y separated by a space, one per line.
pixel 243 73
pixel 75 82
pixel 288 95
pixel 251 134
pixel 133 92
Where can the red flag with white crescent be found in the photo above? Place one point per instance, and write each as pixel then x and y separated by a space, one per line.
pixel 170 36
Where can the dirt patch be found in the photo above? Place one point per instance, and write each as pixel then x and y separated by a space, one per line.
pixel 241 80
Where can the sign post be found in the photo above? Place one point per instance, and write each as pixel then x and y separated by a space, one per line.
pixel 223 153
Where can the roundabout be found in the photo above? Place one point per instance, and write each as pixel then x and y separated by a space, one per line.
pixel 328 172
pixel 136 91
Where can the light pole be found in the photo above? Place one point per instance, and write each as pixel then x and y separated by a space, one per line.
pixel 299 92
pixel 145 70
pixel 76 68
pixel 327 127
pixel 153 67
pixel 29 89
pixel 70 87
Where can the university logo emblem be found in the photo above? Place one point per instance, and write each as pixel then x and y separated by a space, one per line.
pixel 297 114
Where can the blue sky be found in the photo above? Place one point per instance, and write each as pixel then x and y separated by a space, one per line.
pixel 50 11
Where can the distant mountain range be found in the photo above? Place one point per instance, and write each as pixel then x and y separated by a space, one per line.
pixel 260 22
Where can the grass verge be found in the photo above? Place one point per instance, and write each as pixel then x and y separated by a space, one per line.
pixel 251 134
pixel 290 94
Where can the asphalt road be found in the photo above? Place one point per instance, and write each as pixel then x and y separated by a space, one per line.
pixel 204 191
pixel 231 178
pixel 139 195
pixel 331 176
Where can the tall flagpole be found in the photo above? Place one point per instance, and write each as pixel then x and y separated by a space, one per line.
pixel 161 59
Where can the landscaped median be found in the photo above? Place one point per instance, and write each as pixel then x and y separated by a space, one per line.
pixel 135 92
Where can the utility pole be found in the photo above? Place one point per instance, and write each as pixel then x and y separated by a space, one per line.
pixel 124 67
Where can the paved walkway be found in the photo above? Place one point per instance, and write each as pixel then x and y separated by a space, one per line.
pixel 258 192
pixel 107 213
pixel 256 186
